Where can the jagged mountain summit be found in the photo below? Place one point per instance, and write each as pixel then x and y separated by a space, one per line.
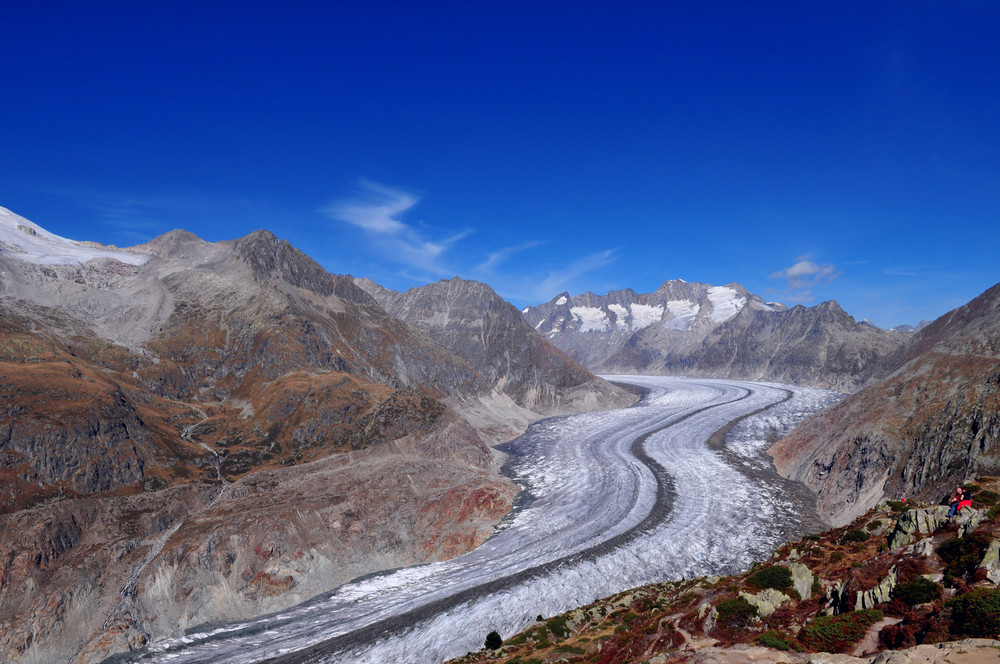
pixel 702 330
pixel 595 328
pixel 932 422
pixel 471 320
pixel 198 432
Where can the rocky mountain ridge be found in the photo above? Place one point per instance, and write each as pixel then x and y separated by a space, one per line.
pixel 198 432
pixel 471 320
pixel 724 331
pixel 932 422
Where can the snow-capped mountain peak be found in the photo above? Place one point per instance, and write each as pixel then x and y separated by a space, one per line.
pixel 27 241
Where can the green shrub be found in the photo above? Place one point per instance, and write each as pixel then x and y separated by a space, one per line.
pixel 836 556
pixel 777 577
pixel 772 638
pixel 976 613
pixel 493 640
pixel 874 525
pixel 994 513
pixel 917 591
pixel 558 626
pixel 736 613
pixel 854 535
pixel 575 650
pixel 898 506
pixel 962 556
pixel 837 633
pixel 988 498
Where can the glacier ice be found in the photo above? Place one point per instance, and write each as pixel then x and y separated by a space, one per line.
pixel 605 514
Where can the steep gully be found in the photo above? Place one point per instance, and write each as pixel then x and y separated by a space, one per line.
pixel 616 499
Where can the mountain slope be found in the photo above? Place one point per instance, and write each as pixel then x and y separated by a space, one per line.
pixel 701 330
pixel 197 432
pixel 933 422
pixel 472 321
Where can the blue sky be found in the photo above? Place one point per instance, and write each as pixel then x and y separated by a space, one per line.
pixel 808 151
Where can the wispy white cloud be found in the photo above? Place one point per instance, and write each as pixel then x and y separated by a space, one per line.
pixel 557 280
pixel 802 277
pixel 377 210
pixel 499 257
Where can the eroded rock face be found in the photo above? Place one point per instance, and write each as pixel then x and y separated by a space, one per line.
pixel 471 320
pixel 934 422
pixel 194 432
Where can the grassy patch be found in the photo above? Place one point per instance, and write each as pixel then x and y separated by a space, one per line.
pixel 772 638
pixel 837 633
pixel 898 506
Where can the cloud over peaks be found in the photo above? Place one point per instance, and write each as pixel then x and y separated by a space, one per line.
pixel 377 210
pixel 803 276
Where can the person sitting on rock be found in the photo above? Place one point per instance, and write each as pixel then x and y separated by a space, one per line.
pixel 955 500
pixel 966 500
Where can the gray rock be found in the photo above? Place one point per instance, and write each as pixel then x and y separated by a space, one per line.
pixel 881 593
pixel 913 522
pixel 991 562
pixel 968 520
pixel 802 579
pixel 766 601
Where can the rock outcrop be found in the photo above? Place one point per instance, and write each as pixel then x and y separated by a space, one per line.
pixel 933 422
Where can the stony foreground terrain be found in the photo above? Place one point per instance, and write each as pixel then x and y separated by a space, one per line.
pixel 871 592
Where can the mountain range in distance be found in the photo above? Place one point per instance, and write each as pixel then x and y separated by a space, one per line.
pixel 226 429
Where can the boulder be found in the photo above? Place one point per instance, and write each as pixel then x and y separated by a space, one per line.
pixel 766 601
pixel 867 599
pixel 991 562
pixel 912 522
pixel 802 579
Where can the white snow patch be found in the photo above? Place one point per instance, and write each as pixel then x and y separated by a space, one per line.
pixel 726 303
pixel 644 315
pixel 525 310
pixel 561 301
pixel 683 312
pixel 621 315
pixel 590 318
pixel 27 241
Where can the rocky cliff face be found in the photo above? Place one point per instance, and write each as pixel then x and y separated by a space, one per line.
pixel 471 320
pixel 194 432
pixel 701 330
pixel 933 422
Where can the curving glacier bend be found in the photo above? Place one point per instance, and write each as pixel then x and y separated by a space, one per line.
pixel 615 499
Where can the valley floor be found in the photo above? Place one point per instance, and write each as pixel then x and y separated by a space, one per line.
pixel 614 500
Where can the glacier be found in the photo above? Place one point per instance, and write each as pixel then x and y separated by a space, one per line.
pixel 611 500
